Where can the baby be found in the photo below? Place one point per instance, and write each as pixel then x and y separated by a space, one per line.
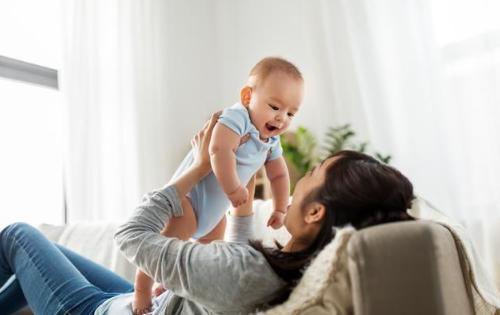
pixel 245 137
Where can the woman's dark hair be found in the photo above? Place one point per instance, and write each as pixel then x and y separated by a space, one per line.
pixel 358 190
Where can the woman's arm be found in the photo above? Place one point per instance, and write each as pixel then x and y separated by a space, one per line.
pixel 159 206
pixel 214 275
pixel 224 277
pixel 201 166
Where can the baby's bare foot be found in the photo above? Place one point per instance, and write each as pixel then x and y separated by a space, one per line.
pixel 142 302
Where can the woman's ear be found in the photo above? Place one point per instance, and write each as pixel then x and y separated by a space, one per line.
pixel 246 95
pixel 315 213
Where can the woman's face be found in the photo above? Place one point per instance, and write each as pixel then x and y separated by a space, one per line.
pixel 294 219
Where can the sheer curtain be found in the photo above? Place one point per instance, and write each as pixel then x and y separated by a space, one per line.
pixel 134 85
pixel 427 96
pixel 469 42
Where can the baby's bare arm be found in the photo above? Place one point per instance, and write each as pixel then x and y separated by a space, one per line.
pixel 222 149
pixel 277 173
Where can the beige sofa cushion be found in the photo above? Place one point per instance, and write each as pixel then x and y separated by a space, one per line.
pixel 407 268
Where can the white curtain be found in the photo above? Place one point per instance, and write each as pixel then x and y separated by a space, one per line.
pixel 470 68
pixel 141 76
pixel 138 82
pixel 429 98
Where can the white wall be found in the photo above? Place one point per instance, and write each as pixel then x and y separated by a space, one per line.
pixel 213 47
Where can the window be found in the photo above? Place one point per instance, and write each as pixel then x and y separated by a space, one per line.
pixel 31 187
pixel 31 31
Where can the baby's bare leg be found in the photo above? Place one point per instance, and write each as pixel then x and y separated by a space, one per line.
pixel 244 210
pixel 216 234
pixel 181 227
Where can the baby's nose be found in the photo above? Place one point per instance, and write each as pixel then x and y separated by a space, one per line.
pixel 280 117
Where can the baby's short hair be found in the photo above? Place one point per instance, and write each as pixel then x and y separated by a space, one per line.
pixel 270 65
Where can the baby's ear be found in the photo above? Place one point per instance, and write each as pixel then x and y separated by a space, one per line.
pixel 246 95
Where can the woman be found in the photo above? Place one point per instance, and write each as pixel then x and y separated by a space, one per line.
pixel 221 277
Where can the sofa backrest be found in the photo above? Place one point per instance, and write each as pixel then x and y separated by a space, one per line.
pixel 407 268
pixel 95 241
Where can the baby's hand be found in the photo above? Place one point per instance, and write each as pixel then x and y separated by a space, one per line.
pixel 276 219
pixel 239 196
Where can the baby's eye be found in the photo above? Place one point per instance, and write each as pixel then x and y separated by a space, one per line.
pixel 291 114
pixel 273 107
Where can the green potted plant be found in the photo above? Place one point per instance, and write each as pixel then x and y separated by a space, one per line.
pixel 301 153
pixel 342 138
pixel 299 150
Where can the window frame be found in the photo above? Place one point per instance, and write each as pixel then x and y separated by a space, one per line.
pixel 28 72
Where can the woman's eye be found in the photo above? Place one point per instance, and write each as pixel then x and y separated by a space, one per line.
pixel 273 107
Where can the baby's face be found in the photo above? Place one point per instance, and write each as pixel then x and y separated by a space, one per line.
pixel 274 103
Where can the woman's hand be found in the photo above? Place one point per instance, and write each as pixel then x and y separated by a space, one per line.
pixel 200 143
pixel 201 166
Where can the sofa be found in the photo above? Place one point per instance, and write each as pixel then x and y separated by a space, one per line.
pixel 398 268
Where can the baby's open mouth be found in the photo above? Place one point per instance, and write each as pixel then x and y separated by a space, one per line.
pixel 271 127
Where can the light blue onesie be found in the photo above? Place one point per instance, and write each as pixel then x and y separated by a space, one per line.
pixel 208 200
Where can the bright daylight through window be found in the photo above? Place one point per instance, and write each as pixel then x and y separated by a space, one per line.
pixel 31 188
